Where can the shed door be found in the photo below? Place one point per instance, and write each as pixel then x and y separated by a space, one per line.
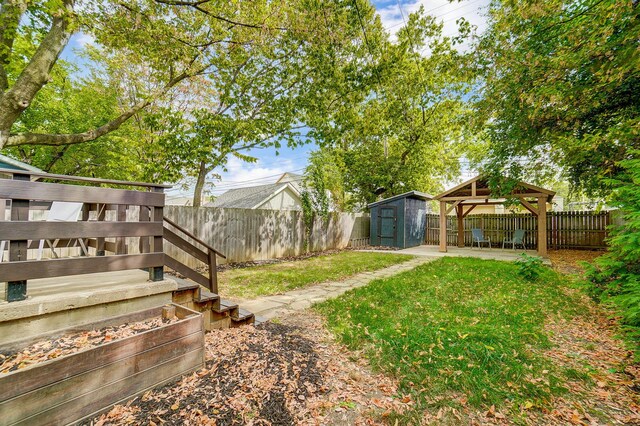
pixel 387 226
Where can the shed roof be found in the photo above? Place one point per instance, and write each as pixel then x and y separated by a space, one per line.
pixel 10 163
pixel 249 197
pixel 411 194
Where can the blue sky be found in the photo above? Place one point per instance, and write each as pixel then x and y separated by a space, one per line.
pixel 271 162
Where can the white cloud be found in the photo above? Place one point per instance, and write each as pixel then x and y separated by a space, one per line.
pixel 445 11
pixel 84 39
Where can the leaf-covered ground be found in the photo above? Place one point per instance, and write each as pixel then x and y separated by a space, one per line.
pixel 573 368
pixel 69 343
pixel 286 373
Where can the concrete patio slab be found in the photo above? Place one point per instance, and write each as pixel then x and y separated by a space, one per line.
pixel 484 253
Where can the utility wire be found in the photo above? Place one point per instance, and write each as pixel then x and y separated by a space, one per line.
pixel 440 16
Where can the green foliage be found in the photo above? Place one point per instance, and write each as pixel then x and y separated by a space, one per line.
pixel 560 89
pixel 615 276
pixel 400 126
pixel 460 327
pixel 219 79
pixel 281 277
pixel 530 267
pixel 560 96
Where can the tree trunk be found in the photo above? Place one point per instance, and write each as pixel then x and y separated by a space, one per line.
pixel 37 72
pixel 197 192
pixel 10 13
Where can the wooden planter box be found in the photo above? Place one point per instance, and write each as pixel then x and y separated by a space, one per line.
pixel 80 385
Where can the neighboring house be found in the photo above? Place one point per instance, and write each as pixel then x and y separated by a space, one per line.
pixel 10 163
pixel 178 200
pixel 275 196
pixel 557 205
pixel 295 179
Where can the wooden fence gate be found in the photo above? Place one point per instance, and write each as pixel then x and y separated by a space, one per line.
pixel 565 230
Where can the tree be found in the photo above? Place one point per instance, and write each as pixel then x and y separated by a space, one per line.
pixel 560 93
pixel 189 39
pixel 559 89
pixel 254 65
pixel 401 128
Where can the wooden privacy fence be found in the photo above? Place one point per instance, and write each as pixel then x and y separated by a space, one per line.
pixel 246 235
pixel 565 230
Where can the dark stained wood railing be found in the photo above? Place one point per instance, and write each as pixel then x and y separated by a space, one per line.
pixel 180 237
pixel 23 235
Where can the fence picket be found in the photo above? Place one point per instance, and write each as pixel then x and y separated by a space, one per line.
pixel 565 230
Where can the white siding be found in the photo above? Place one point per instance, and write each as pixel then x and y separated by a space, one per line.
pixel 286 199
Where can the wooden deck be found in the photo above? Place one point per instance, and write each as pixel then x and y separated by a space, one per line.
pixel 74 284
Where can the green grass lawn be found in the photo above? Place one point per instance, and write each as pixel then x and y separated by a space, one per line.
pixel 280 277
pixel 457 332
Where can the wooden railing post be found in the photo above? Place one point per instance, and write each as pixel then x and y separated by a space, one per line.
pixel 157 272
pixel 121 216
pixel 100 241
pixel 213 272
pixel 18 249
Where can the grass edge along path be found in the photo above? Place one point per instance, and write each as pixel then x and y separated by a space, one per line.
pixel 460 334
pixel 278 278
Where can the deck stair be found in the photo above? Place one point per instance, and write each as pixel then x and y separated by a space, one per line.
pixel 198 291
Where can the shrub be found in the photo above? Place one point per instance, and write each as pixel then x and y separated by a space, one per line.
pixel 615 276
pixel 529 267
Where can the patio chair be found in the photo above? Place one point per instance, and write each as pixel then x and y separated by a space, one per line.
pixel 478 237
pixel 62 211
pixel 518 238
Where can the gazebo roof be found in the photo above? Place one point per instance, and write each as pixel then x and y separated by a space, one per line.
pixel 477 190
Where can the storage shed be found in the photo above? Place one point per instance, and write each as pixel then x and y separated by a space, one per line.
pixel 399 221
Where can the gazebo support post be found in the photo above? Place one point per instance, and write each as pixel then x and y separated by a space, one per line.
pixel 443 226
pixel 542 226
pixel 459 208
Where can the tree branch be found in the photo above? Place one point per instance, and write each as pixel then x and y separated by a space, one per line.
pixel 197 5
pixel 75 138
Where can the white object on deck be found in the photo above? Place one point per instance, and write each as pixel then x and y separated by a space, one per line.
pixel 62 211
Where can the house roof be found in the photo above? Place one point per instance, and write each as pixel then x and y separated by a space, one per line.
pixel 10 163
pixel 250 197
pixel 290 177
pixel 411 194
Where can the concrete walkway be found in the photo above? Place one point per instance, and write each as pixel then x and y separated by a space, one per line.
pixel 268 307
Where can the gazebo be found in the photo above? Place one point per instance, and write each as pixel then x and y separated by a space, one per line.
pixel 466 196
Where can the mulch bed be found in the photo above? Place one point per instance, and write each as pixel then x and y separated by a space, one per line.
pixel 68 343
pixel 568 261
pixel 273 374
pixel 240 265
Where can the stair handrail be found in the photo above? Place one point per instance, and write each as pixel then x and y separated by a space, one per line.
pixel 208 256
pixel 190 235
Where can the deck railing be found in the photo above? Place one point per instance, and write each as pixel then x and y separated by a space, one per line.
pixel 103 227
pixel 193 246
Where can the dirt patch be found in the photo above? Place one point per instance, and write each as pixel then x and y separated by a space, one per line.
pixel 283 373
pixel 610 393
pixel 568 261
pixel 240 265
pixel 69 343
